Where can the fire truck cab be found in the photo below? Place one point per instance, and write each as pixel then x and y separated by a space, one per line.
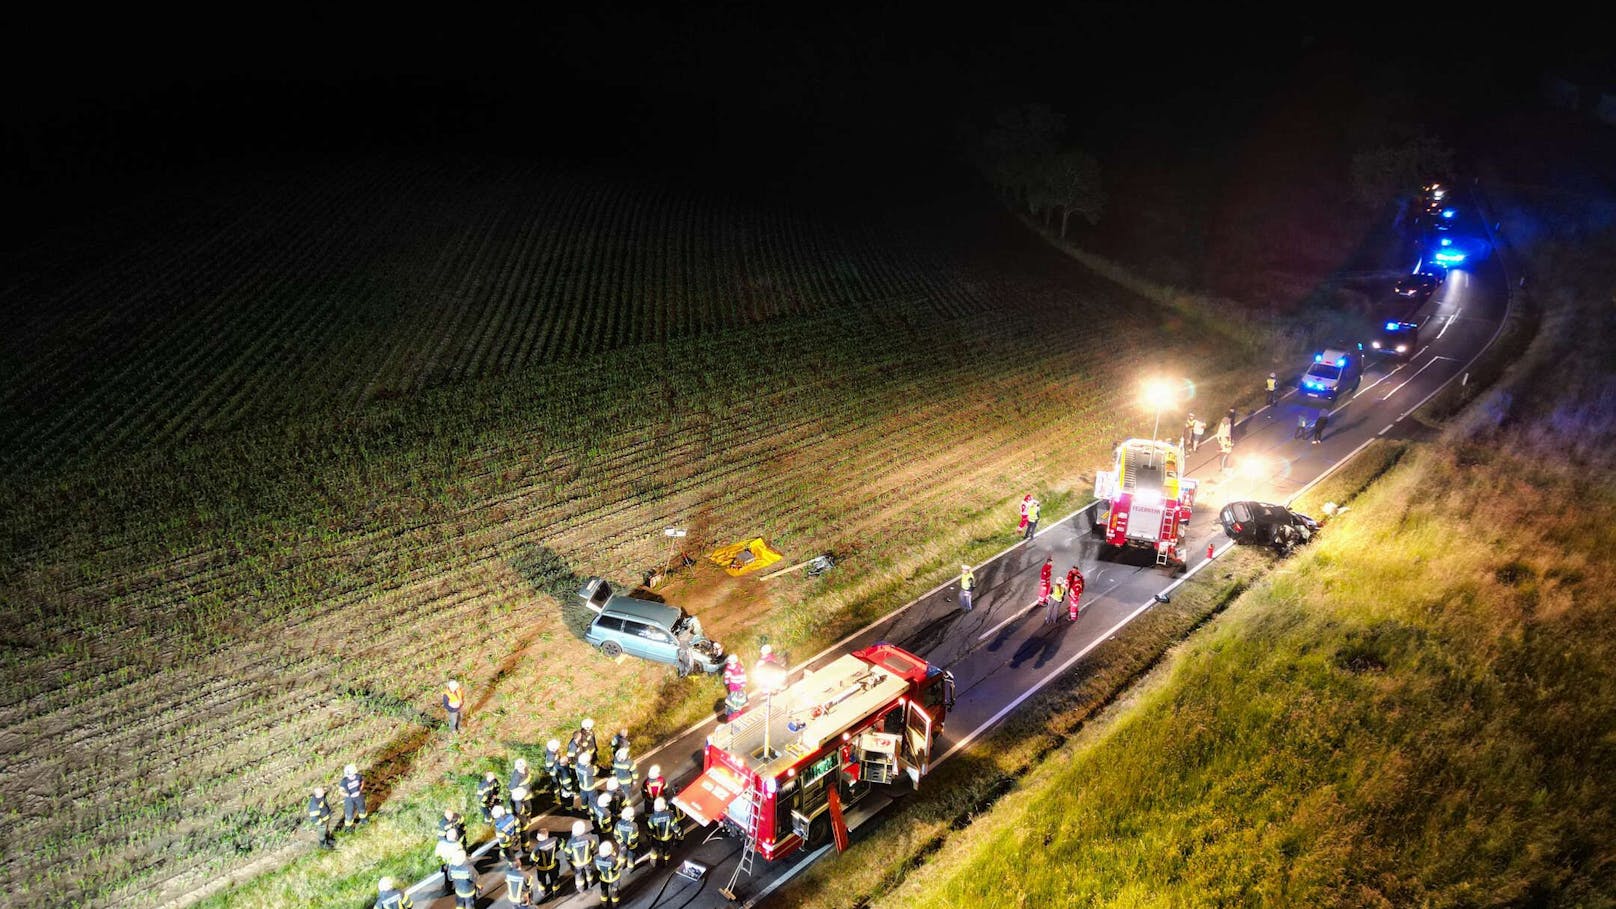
pixel 1145 502
pixel 780 772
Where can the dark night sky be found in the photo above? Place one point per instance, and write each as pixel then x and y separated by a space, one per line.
pixel 99 114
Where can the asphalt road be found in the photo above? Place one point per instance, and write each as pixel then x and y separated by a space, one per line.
pixel 1001 653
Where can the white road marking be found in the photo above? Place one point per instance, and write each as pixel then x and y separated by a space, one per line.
pixel 1428 364
pixel 1449 323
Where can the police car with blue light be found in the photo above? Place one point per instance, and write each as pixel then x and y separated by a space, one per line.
pixel 1334 372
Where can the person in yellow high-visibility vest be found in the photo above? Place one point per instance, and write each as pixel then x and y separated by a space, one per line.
pixel 967 587
pixel 454 701
pixel 1273 391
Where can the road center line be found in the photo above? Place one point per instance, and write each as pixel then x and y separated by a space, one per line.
pixel 1428 364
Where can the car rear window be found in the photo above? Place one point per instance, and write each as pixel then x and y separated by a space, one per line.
pixel 1238 509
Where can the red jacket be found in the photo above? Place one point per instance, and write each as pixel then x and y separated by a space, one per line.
pixel 1074 584
pixel 1045 572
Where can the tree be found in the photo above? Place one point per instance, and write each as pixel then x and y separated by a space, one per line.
pixel 1072 184
pixel 1381 174
pixel 1016 150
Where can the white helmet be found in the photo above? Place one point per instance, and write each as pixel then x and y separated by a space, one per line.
pixel 661 804
pixel 604 799
pixel 553 744
pixel 622 754
pixel 498 811
pixel 350 770
pixel 606 847
pixel 578 828
pixel 656 770
pixel 384 884
pixel 611 782
pixel 521 764
pixel 589 723
pixel 766 650
pixel 628 813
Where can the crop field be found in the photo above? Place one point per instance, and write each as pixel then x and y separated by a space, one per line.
pixel 294 455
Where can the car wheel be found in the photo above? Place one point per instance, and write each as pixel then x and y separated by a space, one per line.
pixel 611 649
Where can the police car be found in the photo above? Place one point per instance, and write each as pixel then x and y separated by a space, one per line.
pixel 1333 373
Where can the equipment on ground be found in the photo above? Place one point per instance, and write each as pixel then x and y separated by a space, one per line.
pixel 1145 501
pixel 773 773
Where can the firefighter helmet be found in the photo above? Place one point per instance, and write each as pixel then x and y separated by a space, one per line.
pixel 578 828
pixel 661 804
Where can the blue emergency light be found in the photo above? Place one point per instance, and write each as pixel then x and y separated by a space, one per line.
pixel 1448 212
pixel 1391 326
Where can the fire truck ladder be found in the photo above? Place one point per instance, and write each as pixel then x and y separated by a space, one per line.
pixel 754 801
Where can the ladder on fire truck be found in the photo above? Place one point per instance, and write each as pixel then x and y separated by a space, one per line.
pixel 754 808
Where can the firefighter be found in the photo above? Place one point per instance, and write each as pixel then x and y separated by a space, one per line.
pixel 446 849
pixel 766 654
pixel 546 867
pixel 454 700
pixel 507 832
pixel 967 585
pixel 584 770
pixel 452 828
pixel 617 794
pixel 609 866
pixel 390 897
pixel 566 783
pixel 620 740
pixel 352 785
pixel 655 784
pixel 584 739
pixel 1273 391
pixel 464 879
pixel 627 833
pixel 320 818
pixel 600 813
pixel 580 852
pixel 489 794
pixel 664 828
pixel 543 782
pixel 734 686
pixel 1034 511
pixel 517 889
pixel 1074 593
pixel 521 778
pixel 624 771
pixel 552 765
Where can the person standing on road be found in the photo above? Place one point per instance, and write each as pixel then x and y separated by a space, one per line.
pixel 516 885
pixel 1048 569
pixel 552 766
pixel 619 741
pixel 507 832
pixel 627 833
pixel 584 770
pixel 664 830
pixel 609 868
pixel 452 828
pixel 1045 588
pixel 655 784
pixel 1225 449
pixel 1273 391
pixel 566 783
pixel 623 769
pixel 600 814
pixel 390 897
pixel 967 584
pixel 1026 503
pixel 1318 427
pixel 464 879
pixel 546 868
pixel 1301 426
pixel 1074 593
pixel 454 700
pixel 580 851
pixel 1034 512
pixel 320 818
pixel 1198 429
pixel 353 796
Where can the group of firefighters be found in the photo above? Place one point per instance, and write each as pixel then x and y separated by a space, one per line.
pixel 601 849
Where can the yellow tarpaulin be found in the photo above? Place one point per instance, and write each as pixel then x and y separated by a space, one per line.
pixel 746 556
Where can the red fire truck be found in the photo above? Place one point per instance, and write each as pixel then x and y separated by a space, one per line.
pixel 1144 501
pixel 780 773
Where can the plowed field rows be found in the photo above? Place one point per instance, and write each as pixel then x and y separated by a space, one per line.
pixel 280 467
